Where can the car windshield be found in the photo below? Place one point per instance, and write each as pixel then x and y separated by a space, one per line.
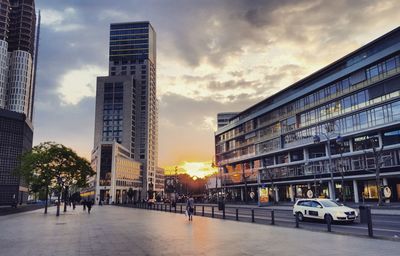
pixel 329 203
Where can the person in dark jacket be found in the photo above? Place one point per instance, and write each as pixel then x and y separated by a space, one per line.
pixel 89 205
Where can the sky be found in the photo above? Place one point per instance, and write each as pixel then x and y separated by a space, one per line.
pixel 212 56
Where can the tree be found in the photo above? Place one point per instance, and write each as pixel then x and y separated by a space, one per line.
pixel 379 159
pixel 53 166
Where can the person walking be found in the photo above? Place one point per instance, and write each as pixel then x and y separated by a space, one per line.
pixel 73 205
pixel 84 205
pixel 89 205
pixel 190 207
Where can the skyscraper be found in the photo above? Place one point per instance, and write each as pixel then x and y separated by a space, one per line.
pixel 17 48
pixel 17 75
pixel 126 103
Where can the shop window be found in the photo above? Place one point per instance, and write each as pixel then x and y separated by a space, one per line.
pixel 296 155
pixel 316 151
pixel 391 137
pixel 282 158
pixel 365 142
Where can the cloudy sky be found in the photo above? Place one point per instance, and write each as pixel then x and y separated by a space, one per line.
pixel 213 56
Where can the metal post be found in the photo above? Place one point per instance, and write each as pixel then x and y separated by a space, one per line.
pixel 194 209
pixel 272 217
pixel 369 221
pixel 181 208
pixel 329 223
pixel 202 210
pixel 175 208
pixel 252 215
pixel 212 212
pixel 170 208
pixel 237 214
pixel 223 212
pixel 297 220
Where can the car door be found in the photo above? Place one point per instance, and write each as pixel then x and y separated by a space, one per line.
pixel 315 210
pixel 306 207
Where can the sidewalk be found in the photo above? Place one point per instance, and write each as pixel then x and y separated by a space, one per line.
pixel 111 230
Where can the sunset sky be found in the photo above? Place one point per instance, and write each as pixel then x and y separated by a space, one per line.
pixel 212 56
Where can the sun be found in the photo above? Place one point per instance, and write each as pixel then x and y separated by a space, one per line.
pixel 194 169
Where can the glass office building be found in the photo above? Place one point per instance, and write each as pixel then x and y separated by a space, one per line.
pixel 355 102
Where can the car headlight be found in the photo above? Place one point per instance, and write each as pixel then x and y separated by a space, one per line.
pixel 338 213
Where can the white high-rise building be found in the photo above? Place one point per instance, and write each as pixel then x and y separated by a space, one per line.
pixel 17 49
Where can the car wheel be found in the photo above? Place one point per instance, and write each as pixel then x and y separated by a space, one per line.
pixel 300 216
pixel 328 218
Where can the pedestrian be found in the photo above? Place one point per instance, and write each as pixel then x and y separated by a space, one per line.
pixel 73 205
pixel 190 207
pixel 101 202
pixel 89 205
pixel 84 205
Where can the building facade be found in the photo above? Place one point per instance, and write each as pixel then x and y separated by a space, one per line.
pixel 15 139
pixel 223 118
pixel 17 49
pixel 17 72
pixel 282 142
pixel 126 102
pixel 116 172
pixel 160 181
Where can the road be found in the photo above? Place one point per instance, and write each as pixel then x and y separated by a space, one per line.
pixel 384 225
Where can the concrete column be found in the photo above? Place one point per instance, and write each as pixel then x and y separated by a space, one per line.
pixel 291 193
pixel 385 183
pixel 330 188
pixel 355 188
pixel 276 193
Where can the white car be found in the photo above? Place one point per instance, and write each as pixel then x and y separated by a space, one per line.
pixel 325 209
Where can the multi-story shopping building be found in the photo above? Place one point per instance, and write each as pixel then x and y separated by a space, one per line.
pixel 116 172
pixel 126 103
pixel 282 142
pixel 18 53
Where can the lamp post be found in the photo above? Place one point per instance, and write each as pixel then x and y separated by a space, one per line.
pixel 339 140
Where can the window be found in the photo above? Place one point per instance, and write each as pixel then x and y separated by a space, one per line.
pixel 296 155
pixel 365 142
pixel 391 137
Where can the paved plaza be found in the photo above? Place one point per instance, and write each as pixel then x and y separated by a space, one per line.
pixel 125 231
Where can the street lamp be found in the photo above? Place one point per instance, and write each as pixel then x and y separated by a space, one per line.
pixel 60 183
pixel 339 140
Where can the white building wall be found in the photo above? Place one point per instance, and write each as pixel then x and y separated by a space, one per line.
pixel 3 72
pixel 19 82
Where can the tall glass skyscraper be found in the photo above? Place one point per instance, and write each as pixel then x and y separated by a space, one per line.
pixel 126 103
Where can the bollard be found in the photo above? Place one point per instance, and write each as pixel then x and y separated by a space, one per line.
pixel 181 209
pixel 272 217
pixel 252 215
pixel 165 207
pixel 297 219
pixel 175 208
pixel 170 208
pixel 329 223
pixel 202 210
pixel 237 214
pixel 194 210
pixel 369 221
pixel 212 212
pixel 223 212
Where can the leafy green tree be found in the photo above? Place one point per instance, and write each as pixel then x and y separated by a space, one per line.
pixel 54 166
